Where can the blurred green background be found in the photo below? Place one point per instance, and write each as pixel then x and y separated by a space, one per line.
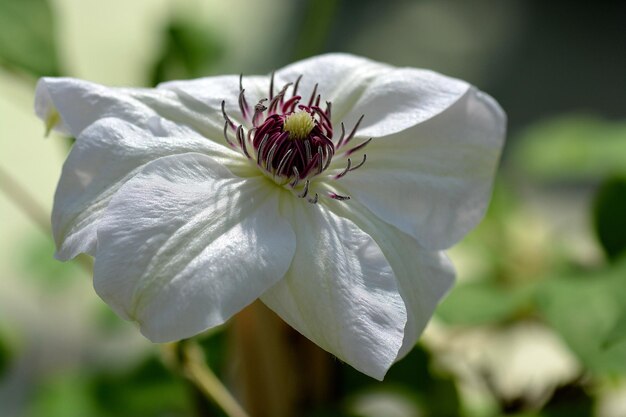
pixel 536 325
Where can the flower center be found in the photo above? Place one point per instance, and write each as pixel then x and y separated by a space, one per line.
pixel 298 124
pixel 294 146
pixel 291 142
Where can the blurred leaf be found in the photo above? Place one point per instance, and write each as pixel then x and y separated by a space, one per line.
pixel 27 38
pixel 37 262
pixel 523 415
pixel 609 215
pixel 106 320
pixel 483 302
pixel 569 401
pixel 328 413
pixel 63 396
pixel 147 390
pixel 618 332
pixel 314 29
pixel 583 310
pixel 191 50
pixel 574 147
pixel 5 355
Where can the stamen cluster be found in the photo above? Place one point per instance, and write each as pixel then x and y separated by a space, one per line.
pixel 291 142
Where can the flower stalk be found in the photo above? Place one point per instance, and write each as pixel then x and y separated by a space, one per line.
pixel 279 372
pixel 187 358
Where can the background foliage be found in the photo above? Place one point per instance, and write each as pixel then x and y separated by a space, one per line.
pixel 537 323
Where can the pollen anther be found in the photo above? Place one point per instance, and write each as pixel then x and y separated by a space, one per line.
pixel 299 124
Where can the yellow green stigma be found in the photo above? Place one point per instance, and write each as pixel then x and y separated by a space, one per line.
pixel 52 120
pixel 299 125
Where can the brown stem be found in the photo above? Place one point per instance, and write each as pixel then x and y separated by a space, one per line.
pixel 279 372
pixel 187 358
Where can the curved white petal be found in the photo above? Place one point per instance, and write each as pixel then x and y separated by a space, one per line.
pixel 391 99
pixel 424 277
pixel 340 78
pixel 106 155
pixel 185 244
pixel 340 291
pixel 400 98
pixel 206 95
pixel 80 103
pixel 434 181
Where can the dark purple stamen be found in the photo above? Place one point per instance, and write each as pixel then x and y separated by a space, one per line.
pixel 339 197
pixel 290 141
pixel 344 141
pixel 279 153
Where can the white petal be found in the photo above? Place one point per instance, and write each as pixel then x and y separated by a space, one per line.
pixel 206 94
pixel 423 276
pixel 80 103
pixel 340 78
pixel 434 181
pixel 340 291
pixel 106 155
pixel 184 245
pixel 396 99
pixel 392 99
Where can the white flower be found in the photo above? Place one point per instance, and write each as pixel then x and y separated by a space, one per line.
pixel 198 197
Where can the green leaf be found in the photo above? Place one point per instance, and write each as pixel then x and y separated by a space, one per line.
pixel 147 390
pixel 63 396
pixel 609 216
pixel 483 302
pixel 328 413
pixel 5 356
pixel 191 50
pixel 27 37
pixel 584 310
pixel 569 401
pixel 618 332
pixel 315 27
pixel 575 147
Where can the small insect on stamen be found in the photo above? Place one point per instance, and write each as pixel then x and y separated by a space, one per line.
pixel 259 108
